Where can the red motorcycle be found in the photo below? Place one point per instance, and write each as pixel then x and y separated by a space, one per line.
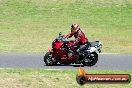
pixel 64 53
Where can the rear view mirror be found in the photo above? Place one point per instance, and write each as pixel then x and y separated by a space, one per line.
pixel 60 34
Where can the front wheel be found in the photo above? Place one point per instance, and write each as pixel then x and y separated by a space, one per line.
pixel 48 59
pixel 91 59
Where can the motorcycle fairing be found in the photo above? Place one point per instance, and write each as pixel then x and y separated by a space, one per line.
pixel 57 45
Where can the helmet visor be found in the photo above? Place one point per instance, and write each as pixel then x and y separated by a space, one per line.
pixel 73 29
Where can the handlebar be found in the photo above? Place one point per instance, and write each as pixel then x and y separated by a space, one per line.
pixel 63 38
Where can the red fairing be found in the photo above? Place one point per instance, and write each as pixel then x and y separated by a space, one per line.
pixel 57 45
pixel 70 43
pixel 60 50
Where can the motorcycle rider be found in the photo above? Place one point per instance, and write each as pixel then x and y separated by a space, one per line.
pixel 80 38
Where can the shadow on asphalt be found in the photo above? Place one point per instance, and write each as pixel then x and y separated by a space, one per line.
pixel 73 65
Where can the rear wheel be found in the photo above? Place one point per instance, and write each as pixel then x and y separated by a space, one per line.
pixel 91 59
pixel 48 59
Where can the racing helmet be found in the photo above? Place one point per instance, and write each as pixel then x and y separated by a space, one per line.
pixel 74 27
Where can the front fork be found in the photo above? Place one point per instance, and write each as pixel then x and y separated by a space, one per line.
pixel 55 59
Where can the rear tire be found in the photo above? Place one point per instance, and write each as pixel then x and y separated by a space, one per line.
pixel 91 60
pixel 48 59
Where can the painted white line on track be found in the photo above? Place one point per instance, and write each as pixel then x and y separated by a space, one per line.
pixel 29 68
pixel 108 53
pixel 52 69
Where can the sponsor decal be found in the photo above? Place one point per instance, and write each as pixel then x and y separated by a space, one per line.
pixel 83 78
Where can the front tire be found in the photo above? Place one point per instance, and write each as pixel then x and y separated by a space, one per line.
pixel 91 60
pixel 48 59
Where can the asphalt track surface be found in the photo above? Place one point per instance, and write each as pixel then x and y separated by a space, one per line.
pixel 106 62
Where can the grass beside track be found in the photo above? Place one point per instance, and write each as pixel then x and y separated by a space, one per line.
pixel 39 78
pixel 31 25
